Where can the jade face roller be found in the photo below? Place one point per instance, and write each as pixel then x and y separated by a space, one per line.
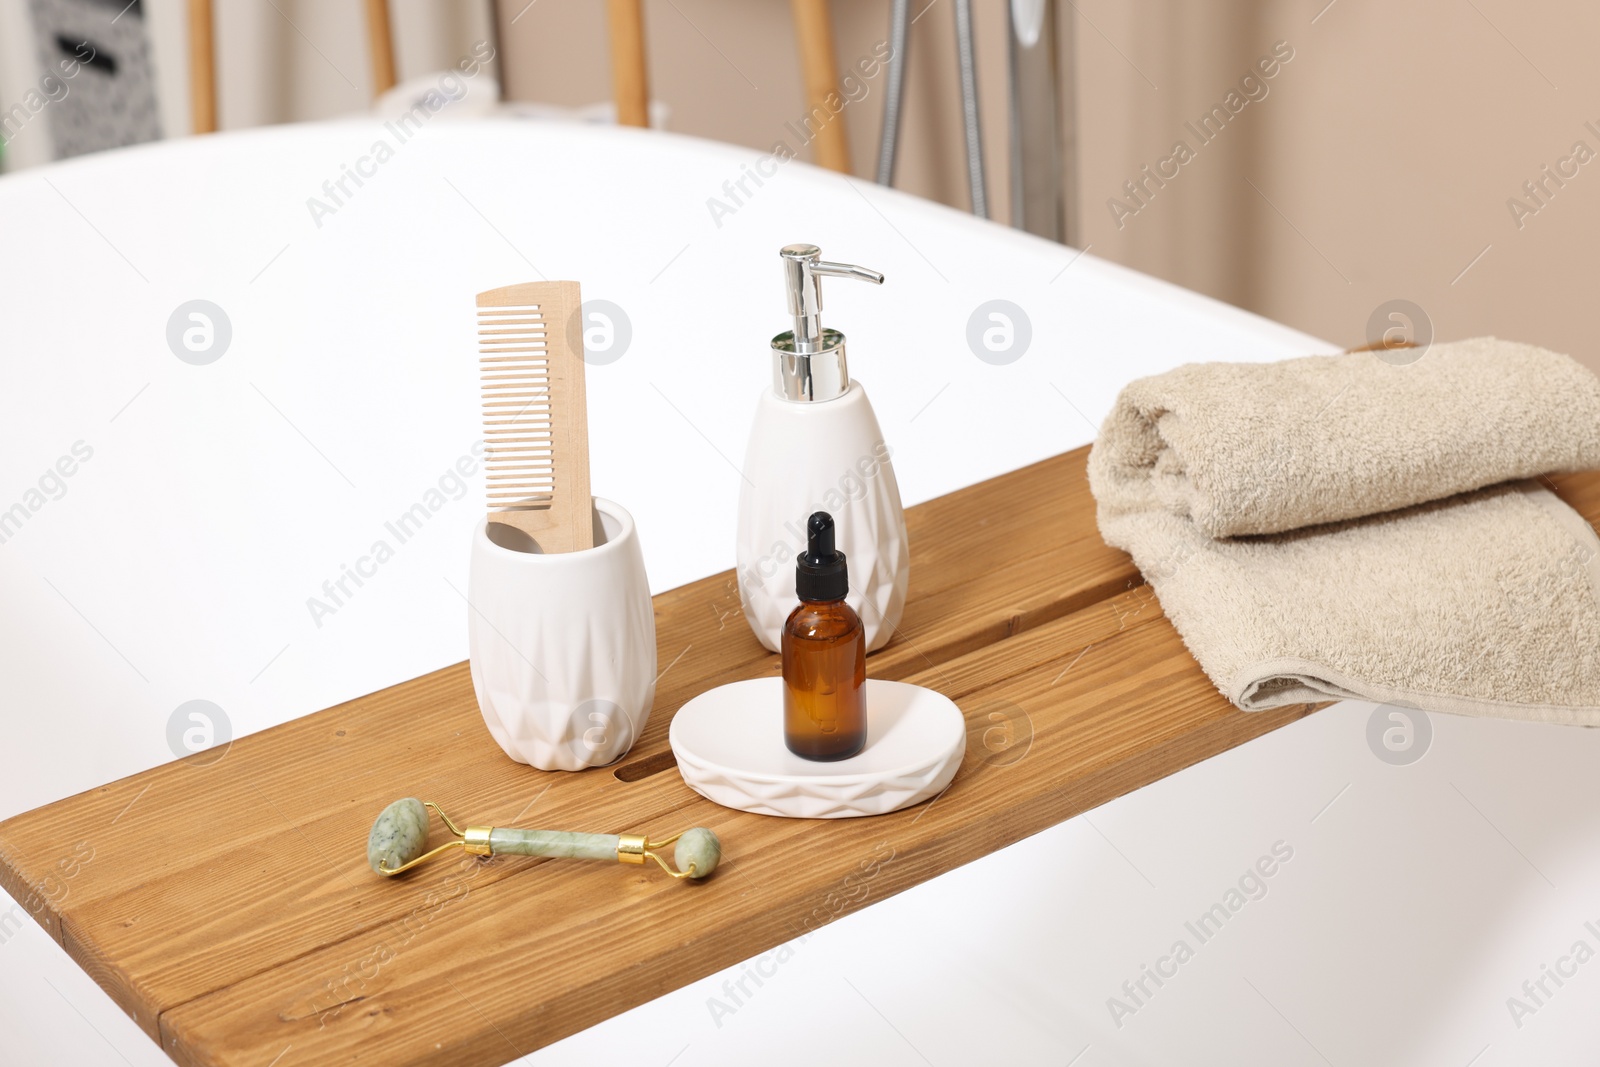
pixel 401 833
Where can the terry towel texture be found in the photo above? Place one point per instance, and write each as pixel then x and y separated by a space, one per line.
pixel 1346 527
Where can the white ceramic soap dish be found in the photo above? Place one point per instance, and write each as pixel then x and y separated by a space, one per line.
pixel 729 745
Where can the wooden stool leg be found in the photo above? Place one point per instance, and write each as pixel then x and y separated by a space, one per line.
pixel 380 43
pixel 202 68
pixel 813 27
pixel 629 79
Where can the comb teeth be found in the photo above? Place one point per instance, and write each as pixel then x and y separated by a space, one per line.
pixel 514 364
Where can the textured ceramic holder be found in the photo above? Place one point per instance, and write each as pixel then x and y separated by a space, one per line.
pixel 563 645
pixel 729 745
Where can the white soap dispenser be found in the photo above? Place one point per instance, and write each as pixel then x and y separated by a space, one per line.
pixel 816 446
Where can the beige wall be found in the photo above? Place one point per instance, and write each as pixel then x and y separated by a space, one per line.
pixel 1396 150
pixel 1387 146
pixel 729 70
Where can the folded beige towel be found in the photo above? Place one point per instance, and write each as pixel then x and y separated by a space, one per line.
pixel 1346 527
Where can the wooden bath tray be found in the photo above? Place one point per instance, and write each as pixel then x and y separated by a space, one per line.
pixel 231 913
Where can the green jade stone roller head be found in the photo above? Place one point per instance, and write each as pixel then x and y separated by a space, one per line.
pixel 400 835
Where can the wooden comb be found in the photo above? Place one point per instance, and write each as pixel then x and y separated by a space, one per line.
pixel 535 419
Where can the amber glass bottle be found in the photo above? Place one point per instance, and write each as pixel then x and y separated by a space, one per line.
pixel 824 655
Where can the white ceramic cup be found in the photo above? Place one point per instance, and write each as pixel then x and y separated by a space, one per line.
pixel 563 646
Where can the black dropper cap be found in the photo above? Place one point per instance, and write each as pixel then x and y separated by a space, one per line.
pixel 819 573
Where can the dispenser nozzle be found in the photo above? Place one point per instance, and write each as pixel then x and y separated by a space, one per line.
pixel 803 271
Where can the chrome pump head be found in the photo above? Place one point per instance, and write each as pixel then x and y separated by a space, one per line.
pixel 808 361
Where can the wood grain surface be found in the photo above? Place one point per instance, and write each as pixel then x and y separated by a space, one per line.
pixel 226 904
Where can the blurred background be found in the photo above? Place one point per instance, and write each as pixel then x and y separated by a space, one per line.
pixel 1434 152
